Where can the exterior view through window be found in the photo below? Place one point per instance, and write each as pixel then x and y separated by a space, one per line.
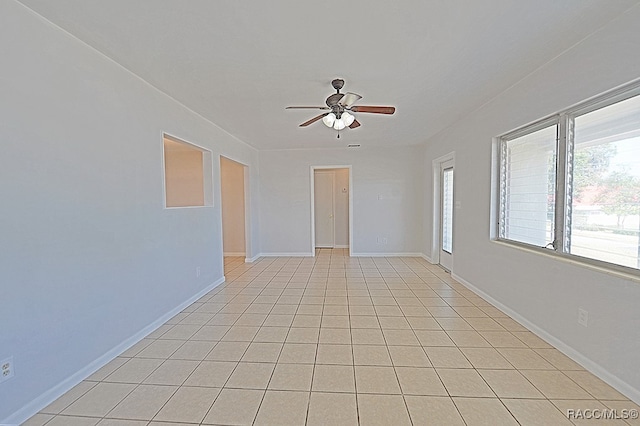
pixel 571 183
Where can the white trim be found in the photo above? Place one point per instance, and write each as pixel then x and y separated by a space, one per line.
pixel 435 232
pixel 427 258
pixel 609 378
pixel 61 388
pixel 252 259
pixel 234 253
pixel 387 255
pixel 296 254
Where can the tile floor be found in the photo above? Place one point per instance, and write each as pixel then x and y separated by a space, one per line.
pixel 336 340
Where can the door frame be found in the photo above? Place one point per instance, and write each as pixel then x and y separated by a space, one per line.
pixel 313 214
pixel 248 249
pixel 437 202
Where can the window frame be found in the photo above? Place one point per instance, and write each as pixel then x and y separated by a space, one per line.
pixel 565 120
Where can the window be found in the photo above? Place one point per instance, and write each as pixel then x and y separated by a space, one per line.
pixel 187 174
pixel 571 183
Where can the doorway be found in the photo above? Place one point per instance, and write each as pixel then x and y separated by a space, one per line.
pixel 443 211
pixel 234 208
pixel 330 207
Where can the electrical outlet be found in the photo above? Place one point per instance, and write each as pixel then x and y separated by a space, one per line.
pixel 583 317
pixel 197 271
pixel 6 369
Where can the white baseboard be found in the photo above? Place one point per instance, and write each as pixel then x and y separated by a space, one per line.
pixel 427 258
pixel 61 388
pixel 386 254
pixel 234 253
pixel 253 259
pixel 298 254
pixel 614 381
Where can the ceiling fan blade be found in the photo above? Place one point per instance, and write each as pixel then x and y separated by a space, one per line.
pixel 355 124
pixel 313 120
pixel 307 107
pixel 374 109
pixel 349 99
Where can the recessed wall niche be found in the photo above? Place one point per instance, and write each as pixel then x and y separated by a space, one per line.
pixel 187 174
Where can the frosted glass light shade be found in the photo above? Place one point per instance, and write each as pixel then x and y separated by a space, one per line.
pixel 339 124
pixel 329 119
pixel 347 118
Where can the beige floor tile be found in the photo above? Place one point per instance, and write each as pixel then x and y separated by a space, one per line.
pixel 371 355
pixel 188 404
pixel 486 358
pixel 109 368
pixel 555 385
pixel 467 339
pixel 172 372
pixel 525 359
pixel 419 381
pixel 283 408
pixel 382 410
pixel 63 420
pixel 484 412
pixel 372 379
pixel 408 356
pixel 332 409
pixel 303 335
pixel 447 357
pixel 335 321
pixel 433 411
pixel 193 350
pixel 433 338
pixel 364 321
pixel 595 386
pixel 627 409
pixel 333 378
pixel 213 374
pixel 298 353
pixel 309 310
pixel 312 321
pixel 367 336
pixel 180 332
pixel 400 337
pixel 335 354
pixel 394 323
pixel 251 319
pixel 508 323
pixel 509 384
pixel 536 412
pixel 341 336
pixel 361 311
pixel 240 333
pixel 234 407
pixel 211 332
pixel 388 311
pixel 484 324
pixel 464 382
pixel 143 403
pixel 99 400
pixel 423 323
pixel 271 334
pixel 40 419
pixel 122 422
pixel 249 375
pixel 531 340
pixel 68 398
pixel 134 371
pixel 502 339
pixel 262 352
pixel 558 359
pixel 228 351
pixel 292 377
pixel 577 411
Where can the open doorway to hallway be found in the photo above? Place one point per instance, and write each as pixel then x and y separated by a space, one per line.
pixel 331 207
pixel 233 194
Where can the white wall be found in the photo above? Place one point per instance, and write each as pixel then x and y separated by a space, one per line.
pixel 387 198
pixel 542 290
pixel 232 198
pixel 89 255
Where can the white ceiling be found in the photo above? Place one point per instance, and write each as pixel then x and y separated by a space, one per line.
pixel 239 63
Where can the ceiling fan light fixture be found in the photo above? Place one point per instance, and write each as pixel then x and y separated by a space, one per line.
pixel 339 124
pixel 347 118
pixel 329 119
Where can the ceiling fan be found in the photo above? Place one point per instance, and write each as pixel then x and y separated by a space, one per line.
pixel 340 106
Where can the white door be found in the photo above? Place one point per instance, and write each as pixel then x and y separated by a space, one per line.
pixel 324 209
pixel 446 215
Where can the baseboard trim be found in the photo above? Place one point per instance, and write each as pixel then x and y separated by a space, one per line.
pixel 234 253
pixel 298 254
pixel 609 378
pixel 386 254
pixel 253 259
pixel 427 258
pixel 40 402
